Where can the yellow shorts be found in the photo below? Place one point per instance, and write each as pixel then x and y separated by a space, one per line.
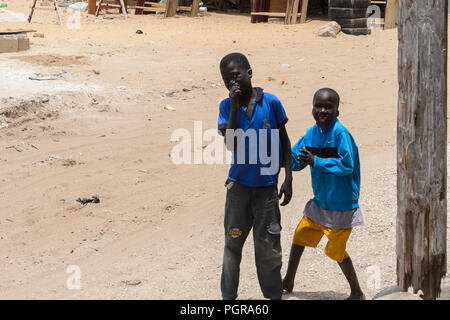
pixel 309 233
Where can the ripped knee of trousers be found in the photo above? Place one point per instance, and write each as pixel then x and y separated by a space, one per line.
pixel 274 228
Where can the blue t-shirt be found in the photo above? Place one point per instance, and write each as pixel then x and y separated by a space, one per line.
pixel 258 156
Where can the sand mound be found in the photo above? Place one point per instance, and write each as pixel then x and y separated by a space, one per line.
pixel 19 111
pixel 52 60
pixel 20 108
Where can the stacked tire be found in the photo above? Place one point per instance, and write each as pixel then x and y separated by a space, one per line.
pixel 351 15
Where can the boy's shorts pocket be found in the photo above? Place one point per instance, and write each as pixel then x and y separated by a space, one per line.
pixel 229 184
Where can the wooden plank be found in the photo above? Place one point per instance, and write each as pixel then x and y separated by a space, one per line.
pixel 272 14
pixel 304 11
pixel 390 15
pixel 44 9
pixel 13 31
pixel 142 3
pixel 155 4
pixel 195 6
pixel 422 146
pixel 160 9
pixel 110 5
pixel 269 14
pixel 183 8
pixel 151 9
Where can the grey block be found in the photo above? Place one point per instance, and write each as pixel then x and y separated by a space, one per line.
pixel 9 43
pixel 14 42
pixel 24 42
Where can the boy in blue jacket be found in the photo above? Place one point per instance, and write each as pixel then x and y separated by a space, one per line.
pixel 330 151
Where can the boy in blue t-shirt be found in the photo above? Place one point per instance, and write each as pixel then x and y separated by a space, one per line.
pixel 253 124
pixel 330 151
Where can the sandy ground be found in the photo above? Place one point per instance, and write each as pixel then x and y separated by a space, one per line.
pixel 101 129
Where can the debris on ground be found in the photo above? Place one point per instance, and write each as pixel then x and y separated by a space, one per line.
pixel 85 201
pixel 169 107
pixel 331 29
pixel 131 282
pixel 39 77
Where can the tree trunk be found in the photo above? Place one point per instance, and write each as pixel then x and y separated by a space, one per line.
pixel 422 146
pixel 171 8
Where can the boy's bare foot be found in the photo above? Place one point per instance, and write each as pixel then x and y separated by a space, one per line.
pixel 288 286
pixel 356 296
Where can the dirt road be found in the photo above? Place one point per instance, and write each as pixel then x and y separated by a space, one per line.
pixel 101 129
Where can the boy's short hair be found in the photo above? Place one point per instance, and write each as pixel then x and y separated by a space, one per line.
pixel 237 57
pixel 329 91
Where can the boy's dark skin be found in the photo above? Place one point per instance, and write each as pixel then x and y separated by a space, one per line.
pixel 325 110
pixel 237 80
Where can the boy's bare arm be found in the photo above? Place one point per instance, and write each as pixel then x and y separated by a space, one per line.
pixel 235 91
pixel 286 187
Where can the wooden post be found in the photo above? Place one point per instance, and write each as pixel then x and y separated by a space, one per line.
pixel 123 8
pixel 422 146
pixel 92 6
pixel 30 16
pixel 194 8
pixel 390 15
pixel 171 8
pixel 57 12
pixel 98 8
pixel 291 12
pixel 304 11
pixel 33 7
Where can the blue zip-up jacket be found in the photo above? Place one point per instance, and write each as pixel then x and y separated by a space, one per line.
pixel 335 176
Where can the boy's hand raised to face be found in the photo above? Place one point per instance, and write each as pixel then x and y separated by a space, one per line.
pixel 235 92
pixel 307 157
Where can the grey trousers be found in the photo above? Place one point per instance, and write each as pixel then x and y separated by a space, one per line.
pixel 247 208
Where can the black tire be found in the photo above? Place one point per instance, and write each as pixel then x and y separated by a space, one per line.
pixel 347 13
pixel 349 3
pixel 353 23
pixel 357 31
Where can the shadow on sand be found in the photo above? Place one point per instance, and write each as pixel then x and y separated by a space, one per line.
pixel 321 295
